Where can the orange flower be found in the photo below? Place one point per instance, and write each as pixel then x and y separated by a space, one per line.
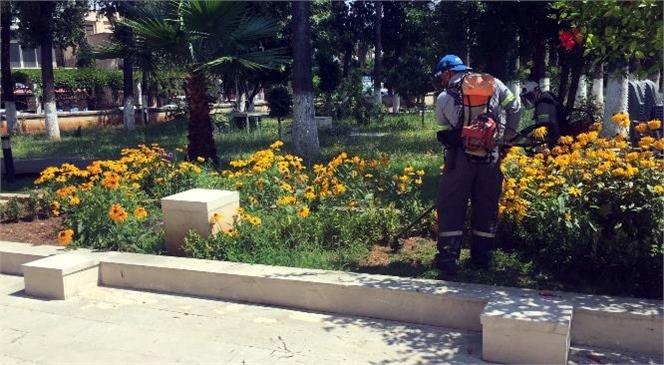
pixel 303 212
pixel 65 236
pixel 117 213
pixel 140 212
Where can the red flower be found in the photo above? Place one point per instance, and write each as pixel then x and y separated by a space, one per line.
pixel 567 40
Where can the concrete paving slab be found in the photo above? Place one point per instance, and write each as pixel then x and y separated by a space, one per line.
pixel 105 325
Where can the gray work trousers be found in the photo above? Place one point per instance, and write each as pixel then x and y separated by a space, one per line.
pixel 463 179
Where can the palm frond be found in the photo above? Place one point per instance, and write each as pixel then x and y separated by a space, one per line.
pixel 263 59
pixel 106 51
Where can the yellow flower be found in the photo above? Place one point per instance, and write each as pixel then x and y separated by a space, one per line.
pixel 646 142
pixel 641 127
pixel 566 140
pixel 287 187
pixel 622 119
pixel 111 180
pixel 215 218
pixel 338 189
pixel 658 189
pixel 303 212
pixel 654 124
pixel 658 144
pixel 540 132
pixel 200 159
pixel 140 212
pixel 117 214
pixel 568 217
pixel 276 145
pixel 74 200
pixel 65 236
pixel 287 200
pixel 573 191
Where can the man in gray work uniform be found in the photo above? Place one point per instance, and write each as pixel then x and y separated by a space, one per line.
pixel 463 177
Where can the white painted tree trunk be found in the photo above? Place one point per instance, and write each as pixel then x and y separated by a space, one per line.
pixel 129 114
pixel 396 103
pixel 515 87
pixel 598 89
pixel 545 83
pixel 581 91
pixel 616 102
pixel 144 109
pixel 243 102
pixel 51 118
pixel 305 131
pixel 143 99
pixel 12 117
pixel 656 78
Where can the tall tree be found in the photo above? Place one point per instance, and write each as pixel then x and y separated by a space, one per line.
pixel 305 131
pixel 203 38
pixel 378 59
pixel 7 81
pixel 122 46
pixel 46 24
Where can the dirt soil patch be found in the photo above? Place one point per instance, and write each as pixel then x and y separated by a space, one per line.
pixel 37 231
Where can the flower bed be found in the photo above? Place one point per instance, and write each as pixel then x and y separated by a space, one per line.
pixel 589 213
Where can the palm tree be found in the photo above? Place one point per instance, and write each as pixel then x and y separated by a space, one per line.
pixel 205 38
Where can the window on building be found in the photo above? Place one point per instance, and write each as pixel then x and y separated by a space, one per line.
pixel 29 57
pixel 23 56
pixel 89 28
pixel 14 55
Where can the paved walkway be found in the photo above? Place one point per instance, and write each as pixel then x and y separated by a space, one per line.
pixel 36 165
pixel 116 326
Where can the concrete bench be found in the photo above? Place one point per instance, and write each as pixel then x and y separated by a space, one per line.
pixel 60 276
pixel 526 331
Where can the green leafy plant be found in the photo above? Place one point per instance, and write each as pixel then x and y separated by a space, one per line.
pixel 12 211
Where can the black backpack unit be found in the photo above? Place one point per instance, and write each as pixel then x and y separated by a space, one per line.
pixel 564 122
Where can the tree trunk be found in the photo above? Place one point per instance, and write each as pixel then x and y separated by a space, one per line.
pixel 538 70
pixel 348 56
pixel 145 98
pixel 564 75
pixel 616 102
pixel 7 81
pixel 305 131
pixel 201 140
pixel 378 97
pixel 129 114
pixel 581 91
pixel 598 84
pixel 50 111
pixel 577 67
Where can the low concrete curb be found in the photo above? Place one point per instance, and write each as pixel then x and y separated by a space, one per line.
pixel 14 254
pixel 623 324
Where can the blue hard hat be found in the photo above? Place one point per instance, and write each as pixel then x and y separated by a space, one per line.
pixel 449 62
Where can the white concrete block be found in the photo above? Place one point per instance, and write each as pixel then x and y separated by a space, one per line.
pixel 15 254
pixel 194 209
pixel 526 331
pixel 60 276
